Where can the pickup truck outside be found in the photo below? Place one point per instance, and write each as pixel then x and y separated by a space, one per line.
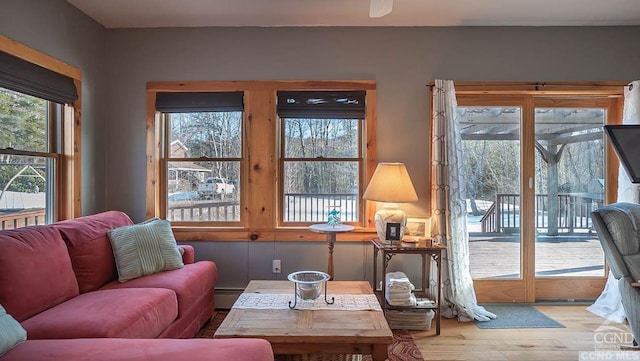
pixel 215 187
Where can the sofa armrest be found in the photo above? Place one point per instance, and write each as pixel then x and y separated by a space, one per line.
pixel 189 255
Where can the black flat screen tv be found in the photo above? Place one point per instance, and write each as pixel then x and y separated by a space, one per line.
pixel 625 140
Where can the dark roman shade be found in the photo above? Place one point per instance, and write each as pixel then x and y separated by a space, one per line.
pixel 321 104
pixel 24 77
pixel 191 102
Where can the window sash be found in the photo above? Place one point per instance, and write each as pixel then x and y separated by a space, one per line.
pixel 304 208
pixel 298 209
pixel 285 148
pixel 198 214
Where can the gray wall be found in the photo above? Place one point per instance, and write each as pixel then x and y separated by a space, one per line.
pixel 402 61
pixel 116 65
pixel 60 30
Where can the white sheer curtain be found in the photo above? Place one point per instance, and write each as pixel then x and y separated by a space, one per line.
pixel 609 303
pixel 449 209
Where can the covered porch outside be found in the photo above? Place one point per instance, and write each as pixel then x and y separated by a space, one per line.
pixel 569 184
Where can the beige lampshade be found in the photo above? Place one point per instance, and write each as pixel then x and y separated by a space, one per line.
pixel 390 183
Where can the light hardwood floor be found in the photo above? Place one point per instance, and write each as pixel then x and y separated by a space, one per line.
pixel 465 341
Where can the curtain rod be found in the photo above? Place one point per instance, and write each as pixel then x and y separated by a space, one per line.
pixel 542 84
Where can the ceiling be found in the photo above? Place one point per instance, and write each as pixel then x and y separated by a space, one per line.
pixel 267 13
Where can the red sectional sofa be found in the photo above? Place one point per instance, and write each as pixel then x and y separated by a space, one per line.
pixel 60 281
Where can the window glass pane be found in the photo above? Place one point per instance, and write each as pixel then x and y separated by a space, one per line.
pixel 24 200
pixel 312 189
pixel 23 122
pixel 491 171
pixel 203 191
pixel 207 134
pixel 570 174
pixel 315 138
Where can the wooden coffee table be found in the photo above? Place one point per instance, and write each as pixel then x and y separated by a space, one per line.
pixel 311 331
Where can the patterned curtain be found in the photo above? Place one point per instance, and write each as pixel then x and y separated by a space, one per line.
pixel 609 303
pixel 449 211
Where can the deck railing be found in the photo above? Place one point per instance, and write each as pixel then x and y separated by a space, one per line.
pixel 205 212
pixel 305 207
pixel 573 213
pixel 298 207
pixel 503 215
pixel 22 218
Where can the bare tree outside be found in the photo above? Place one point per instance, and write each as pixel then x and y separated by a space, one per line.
pixel 24 122
pixel 568 180
pixel 321 168
pixel 203 171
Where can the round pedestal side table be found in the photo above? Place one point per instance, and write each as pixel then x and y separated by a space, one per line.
pixel 331 230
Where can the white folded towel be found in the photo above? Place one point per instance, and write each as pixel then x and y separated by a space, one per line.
pixel 400 285
pixel 398 280
pixel 411 301
pixel 398 289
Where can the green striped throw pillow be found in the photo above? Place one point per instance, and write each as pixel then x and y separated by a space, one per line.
pixel 11 332
pixel 145 248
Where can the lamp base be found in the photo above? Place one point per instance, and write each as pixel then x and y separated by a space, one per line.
pixel 390 213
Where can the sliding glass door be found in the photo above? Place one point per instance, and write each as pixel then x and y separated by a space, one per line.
pixel 534 169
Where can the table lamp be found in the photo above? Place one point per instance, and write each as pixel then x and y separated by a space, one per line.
pixel 390 184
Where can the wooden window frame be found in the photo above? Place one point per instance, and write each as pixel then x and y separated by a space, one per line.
pixel 283 160
pixel 67 190
pixel 260 163
pixel 165 160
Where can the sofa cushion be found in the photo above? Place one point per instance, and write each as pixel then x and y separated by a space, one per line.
pixel 189 283
pixel 243 349
pixel 11 331
pixel 35 271
pixel 89 247
pixel 127 313
pixel 144 249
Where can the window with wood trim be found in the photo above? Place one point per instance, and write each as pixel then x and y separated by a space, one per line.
pixel 320 155
pixel 201 155
pixel 39 129
pixel 263 154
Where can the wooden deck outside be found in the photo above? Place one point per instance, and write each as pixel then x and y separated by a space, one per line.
pixel 494 255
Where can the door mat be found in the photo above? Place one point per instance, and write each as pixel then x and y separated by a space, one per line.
pixel 402 348
pixel 517 316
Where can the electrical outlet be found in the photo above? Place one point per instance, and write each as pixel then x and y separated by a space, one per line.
pixel 276 266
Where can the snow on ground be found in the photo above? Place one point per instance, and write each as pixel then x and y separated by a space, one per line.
pixel 19 200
